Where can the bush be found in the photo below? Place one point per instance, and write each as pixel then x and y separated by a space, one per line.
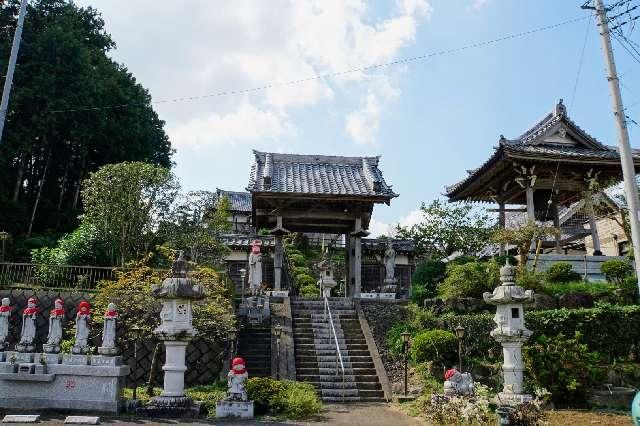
pixel 531 281
pixel 309 291
pixel 437 346
pixel 209 395
pixel 470 279
pixel 594 288
pixel 564 366
pixel 304 280
pixel 301 270
pixel 394 338
pixel 561 272
pixel 297 259
pixel 616 271
pixel 425 279
pixel 293 400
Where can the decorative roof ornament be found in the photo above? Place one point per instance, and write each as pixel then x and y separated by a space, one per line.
pixel 560 108
pixel 180 266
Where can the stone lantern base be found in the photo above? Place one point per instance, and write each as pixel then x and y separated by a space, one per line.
pixel 512 399
pixel 173 407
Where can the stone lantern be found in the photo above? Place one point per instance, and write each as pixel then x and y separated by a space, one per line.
pixel 511 332
pixel 176 330
pixel 326 281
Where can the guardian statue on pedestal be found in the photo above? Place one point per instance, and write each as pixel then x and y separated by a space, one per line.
pixel 28 334
pixel 5 313
pixel 83 316
pixel 109 332
pixel 56 316
pixel 255 268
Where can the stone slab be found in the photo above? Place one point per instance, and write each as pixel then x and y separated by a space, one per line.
pixel 20 356
pixel 21 418
pixel 22 377
pixel 82 420
pixel 102 360
pixel 6 368
pixel 71 359
pixel 241 409
pixel 49 358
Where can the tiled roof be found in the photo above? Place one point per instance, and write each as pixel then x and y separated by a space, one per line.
pixel 244 240
pixel 380 245
pixel 240 201
pixel 318 174
pixel 531 144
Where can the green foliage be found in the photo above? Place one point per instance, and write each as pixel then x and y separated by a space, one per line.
pixel 84 246
pixel 297 259
pixel 293 400
pixel 561 272
pixel 522 237
pixel 616 271
pixel 458 410
pixel 209 395
pixel 394 338
pixel 305 280
pixel 125 202
pixel 470 279
pixel 425 280
pixel 309 291
pixel 562 365
pixel 530 280
pixel 437 346
pixel 301 270
pixel 65 62
pixel 594 288
pixel 447 228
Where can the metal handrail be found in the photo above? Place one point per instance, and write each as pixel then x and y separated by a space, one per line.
pixel 339 362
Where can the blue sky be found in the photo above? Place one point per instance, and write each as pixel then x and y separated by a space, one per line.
pixel 429 120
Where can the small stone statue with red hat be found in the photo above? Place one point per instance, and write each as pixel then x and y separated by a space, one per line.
pixel 235 380
pixel 56 316
pixel 83 316
pixel 109 332
pixel 28 334
pixel 5 313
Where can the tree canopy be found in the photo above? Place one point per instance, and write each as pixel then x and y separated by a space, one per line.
pixel 448 228
pixel 52 141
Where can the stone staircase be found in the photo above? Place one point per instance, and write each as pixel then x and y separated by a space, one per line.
pixel 315 352
pixel 254 345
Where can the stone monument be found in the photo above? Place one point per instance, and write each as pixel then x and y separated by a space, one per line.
pixel 176 330
pixel 390 280
pixel 236 403
pixel 5 313
pixel 108 347
pixel 83 316
pixel 28 334
pixel 457 383
pixel 511 332
pixel 255 268
pixel 54 337
pixel 326 281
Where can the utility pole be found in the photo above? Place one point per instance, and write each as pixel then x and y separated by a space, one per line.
pixel 628 170
pixel 8 80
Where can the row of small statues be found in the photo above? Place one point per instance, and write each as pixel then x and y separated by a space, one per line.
pixel 56 318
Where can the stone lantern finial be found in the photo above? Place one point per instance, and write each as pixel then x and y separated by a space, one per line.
pixel 180 266
pixel 507 274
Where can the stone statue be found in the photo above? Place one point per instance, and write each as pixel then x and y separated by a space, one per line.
pixel 457 383
pixel 5 313
pixel 390 263
pixel 109 332
pixel 83 316
pixel 235 380
pixel 255 268
pixel 56 316
pixel 28 334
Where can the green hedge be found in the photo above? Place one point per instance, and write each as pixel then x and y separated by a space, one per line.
pixel 292 400
pixel 436 346
pixel 611 330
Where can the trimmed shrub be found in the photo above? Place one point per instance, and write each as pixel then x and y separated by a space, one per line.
pixel 616 271
pixel 260 390
pixel 531 281
pixel 561 272
pixel 437 346
pixel 470 279
pixel 309 291
pixel 562 365
pixel 297 259
pixel 594 288
pixel 209 396
pixel 293 400
pixel 301 270
pixel 305 280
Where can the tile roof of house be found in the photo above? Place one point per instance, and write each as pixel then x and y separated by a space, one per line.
pixel 531 145
pixel 318 174
pixel 240 201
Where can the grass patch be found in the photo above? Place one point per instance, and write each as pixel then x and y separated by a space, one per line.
pixel 209 395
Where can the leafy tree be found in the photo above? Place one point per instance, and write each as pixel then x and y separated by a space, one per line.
pixel 52 141
pixel 197 221
pixel 447 228
pixel 126 202
pixel 522 237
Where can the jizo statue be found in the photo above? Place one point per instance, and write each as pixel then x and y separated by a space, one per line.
pixel 255 268
pixel 5 313
pixel 83 316
pixel 56 316
pixel 28 334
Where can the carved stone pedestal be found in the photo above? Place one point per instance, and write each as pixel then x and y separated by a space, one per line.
pixel 241 409
pixel 175 407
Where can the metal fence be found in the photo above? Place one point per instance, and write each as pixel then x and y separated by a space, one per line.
pixel 59 276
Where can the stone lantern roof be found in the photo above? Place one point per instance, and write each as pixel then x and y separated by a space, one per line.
pixel 178 285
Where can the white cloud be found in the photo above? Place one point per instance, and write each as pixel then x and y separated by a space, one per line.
pixel 246 44
pixel 378 228
pixel 245 125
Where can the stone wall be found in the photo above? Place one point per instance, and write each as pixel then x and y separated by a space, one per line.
pixel 204 359
pixel 381 316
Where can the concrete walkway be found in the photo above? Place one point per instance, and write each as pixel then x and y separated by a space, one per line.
pixel 365 414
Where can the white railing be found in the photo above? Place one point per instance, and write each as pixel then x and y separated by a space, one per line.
pixel 339 362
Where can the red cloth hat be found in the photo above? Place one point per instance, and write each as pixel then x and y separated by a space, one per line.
pixel 238 361
pixel 56 311
pixel 34 310
pixel 84 308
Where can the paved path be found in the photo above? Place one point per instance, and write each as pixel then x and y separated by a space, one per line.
pixel 372 414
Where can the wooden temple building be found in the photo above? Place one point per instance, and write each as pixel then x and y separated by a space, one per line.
pixel 316 194
pixel 552 167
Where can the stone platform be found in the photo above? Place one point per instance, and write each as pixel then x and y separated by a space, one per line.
pixel 75 382
pixel 241 409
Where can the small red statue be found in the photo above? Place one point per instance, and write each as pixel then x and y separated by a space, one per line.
pixel 236 378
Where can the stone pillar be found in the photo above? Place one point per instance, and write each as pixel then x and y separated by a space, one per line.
pixel 588 202
pixel 531 215
pixel 349 280
pixel 501 224
pixel 174 368
pixel 357 261
pixel 512 367
pixel 277 263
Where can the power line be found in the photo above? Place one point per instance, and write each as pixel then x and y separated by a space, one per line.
pixel 584 45
pixel 333 74
pixel 624 46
